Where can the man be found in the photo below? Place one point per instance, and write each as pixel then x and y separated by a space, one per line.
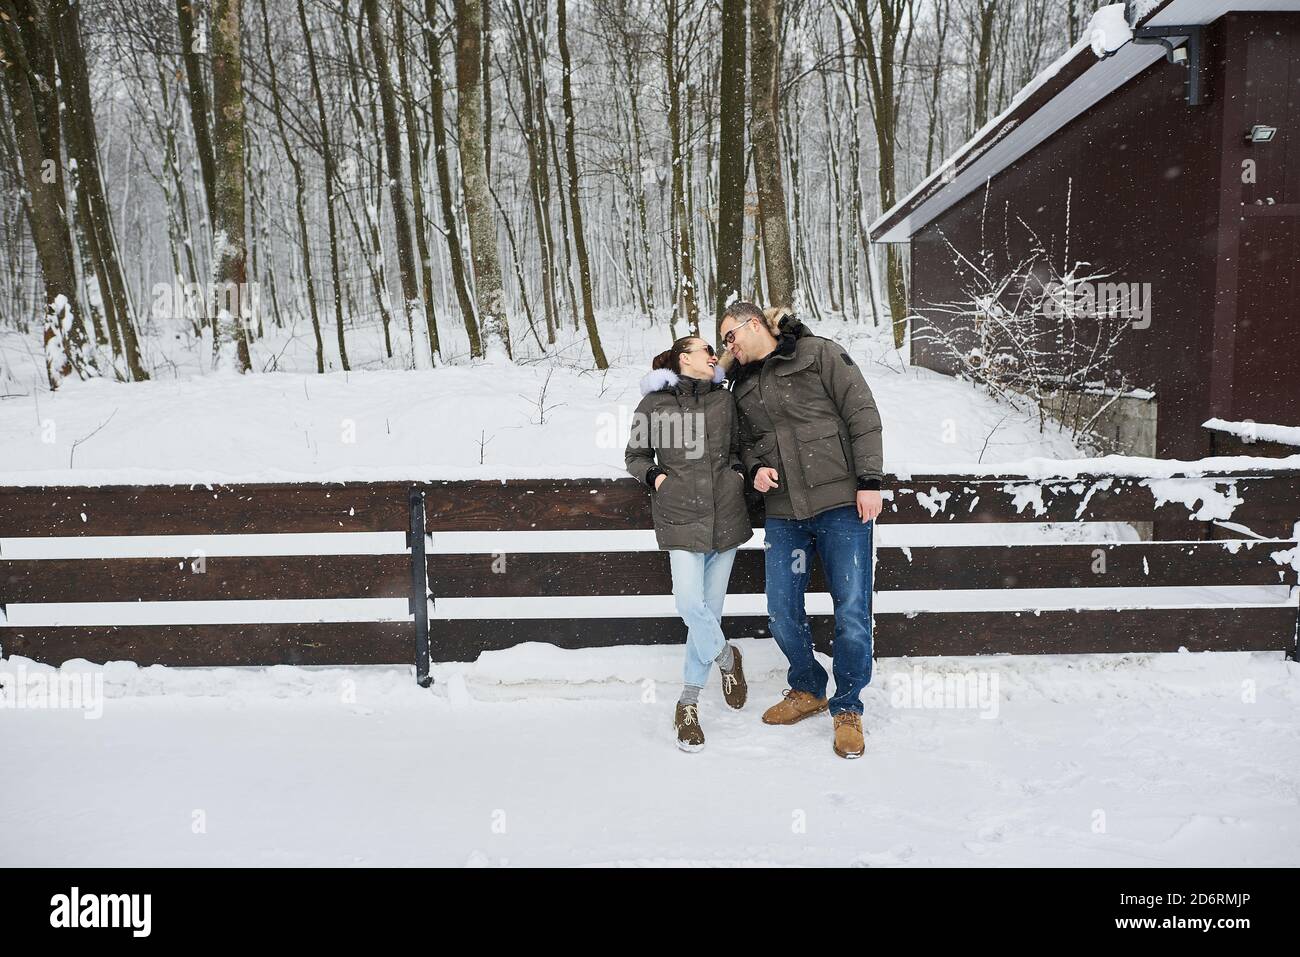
pixel 810 442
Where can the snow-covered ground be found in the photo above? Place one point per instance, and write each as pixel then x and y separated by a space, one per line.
pixel 558 418
pixel 537 756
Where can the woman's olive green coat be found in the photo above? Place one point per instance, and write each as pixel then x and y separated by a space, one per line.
pixel 687 429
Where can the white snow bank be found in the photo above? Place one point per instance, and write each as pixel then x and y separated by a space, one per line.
pixel 1108 30
pixel 454 422
pixel 530 666
pixel 1256 431
pixel 1129 466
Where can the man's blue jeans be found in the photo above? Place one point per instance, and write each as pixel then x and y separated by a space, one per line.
pixel 843 541
pixel 700 587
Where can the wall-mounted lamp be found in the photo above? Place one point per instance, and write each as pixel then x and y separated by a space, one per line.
pixel 1259 133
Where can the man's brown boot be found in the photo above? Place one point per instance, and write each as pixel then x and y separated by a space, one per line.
pixel 734 688
pixel 794 707
pixel 848 735
pixel 690 737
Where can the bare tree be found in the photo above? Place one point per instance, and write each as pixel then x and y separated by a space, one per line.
pixel 450 222
pixel 884 47
pixel 30 87
pixel 193 45
pixel 412 307
pixel 527 31
pixel 83 145
pixel 413 155
pixel 331 178
pixel 229 334
pixel 575 204
pixel 765 59
pixel 299 192
pixel 680 38
pixel 473 170
pixel 731 156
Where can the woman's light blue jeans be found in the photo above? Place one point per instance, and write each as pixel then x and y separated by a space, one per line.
pixel 700 587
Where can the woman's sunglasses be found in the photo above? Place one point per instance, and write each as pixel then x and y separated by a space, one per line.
pixel 707 348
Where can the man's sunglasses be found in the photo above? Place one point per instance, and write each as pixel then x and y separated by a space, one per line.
pixel 730 337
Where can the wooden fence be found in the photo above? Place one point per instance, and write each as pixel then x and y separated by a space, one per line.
pixel 1266 502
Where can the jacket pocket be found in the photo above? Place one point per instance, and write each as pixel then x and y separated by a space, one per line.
pixel 764 448
pixel 670 503
pixel 821 453
pixel 796 364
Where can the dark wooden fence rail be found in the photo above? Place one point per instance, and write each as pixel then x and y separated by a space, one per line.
pixel 1270 504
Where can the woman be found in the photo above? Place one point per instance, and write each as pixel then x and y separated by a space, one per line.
pixel 685 446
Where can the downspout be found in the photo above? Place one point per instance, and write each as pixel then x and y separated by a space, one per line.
pixel 1190 54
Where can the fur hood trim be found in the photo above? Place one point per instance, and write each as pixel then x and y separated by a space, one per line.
pixel 660 380
pixel 657 380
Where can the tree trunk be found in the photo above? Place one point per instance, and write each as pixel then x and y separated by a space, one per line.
pixel 575 205
pixel 980 30
pixel 564 226
pixel 884 75
pixel 304 237
pixel 331 177
pixel 731 156
pixel 535 132
pixel 229 335
pixel 450 225
pixel 419 223
pixel 374 258
pixel 83 143
pixel 192 47
pixel 473 170
pixel 687 299
pixel 411 305
pixel 181 224
pixel 766 62
pixel 31 87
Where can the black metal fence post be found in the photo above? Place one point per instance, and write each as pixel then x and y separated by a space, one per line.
pixel 1294 651
pixel 419 600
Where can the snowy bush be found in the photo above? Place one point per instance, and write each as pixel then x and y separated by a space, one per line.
pixel 1037 336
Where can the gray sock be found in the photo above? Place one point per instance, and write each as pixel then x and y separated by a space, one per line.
pixel 726 661
pixel 690 694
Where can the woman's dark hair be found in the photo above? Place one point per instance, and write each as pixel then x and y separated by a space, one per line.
pixel 672 358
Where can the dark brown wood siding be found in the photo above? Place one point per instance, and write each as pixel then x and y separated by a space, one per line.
pixel 1265 383
pixel 1143 171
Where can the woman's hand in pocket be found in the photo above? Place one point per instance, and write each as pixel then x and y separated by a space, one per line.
pixel 659 480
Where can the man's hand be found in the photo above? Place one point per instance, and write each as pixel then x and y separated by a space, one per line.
pixel 659 480
pixel 765 479
pixel 869 505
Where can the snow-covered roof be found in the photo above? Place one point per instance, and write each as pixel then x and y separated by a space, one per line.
pixel 1071 85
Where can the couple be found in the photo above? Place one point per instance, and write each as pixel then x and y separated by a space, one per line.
pixel 799 425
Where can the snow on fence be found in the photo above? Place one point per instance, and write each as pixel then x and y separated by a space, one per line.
pixel 523 560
